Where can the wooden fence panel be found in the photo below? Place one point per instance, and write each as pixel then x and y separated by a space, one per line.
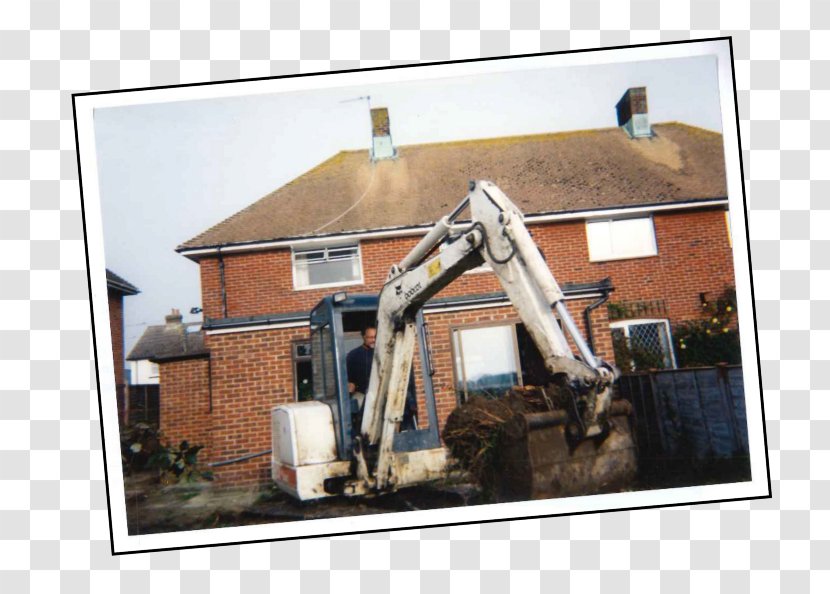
pixel 688 413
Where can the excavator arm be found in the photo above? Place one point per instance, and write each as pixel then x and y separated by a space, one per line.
pixel 498 236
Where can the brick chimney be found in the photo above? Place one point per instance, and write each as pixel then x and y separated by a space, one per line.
pixel 174 318
pixel 382 147
pixel 632 113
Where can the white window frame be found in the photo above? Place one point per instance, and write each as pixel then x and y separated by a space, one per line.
pixel 457 352
pixel 728 226
pixel 325 247
pixel 593 257
pixel 625 324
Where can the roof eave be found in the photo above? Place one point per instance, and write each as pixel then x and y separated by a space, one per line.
pixel 195 252
pixel 182 357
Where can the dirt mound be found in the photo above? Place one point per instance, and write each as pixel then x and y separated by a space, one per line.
pixel 474 430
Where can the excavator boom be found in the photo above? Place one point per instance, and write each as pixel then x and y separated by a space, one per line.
pixel 498 236
pixel 327 446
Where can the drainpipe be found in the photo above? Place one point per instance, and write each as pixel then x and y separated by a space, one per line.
pixel 210 385
pixel 222 283
pixel 606 293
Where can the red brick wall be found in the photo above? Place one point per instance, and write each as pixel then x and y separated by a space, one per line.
pixel 694 256
pixel 251 373
pixel 441 326
pixel 116 305
pixel 184 403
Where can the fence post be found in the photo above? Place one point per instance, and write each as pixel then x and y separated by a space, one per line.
pixel 729 405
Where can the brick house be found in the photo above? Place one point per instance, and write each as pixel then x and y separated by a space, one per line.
pixel 637 212
pixel 171 341
pixel 117 288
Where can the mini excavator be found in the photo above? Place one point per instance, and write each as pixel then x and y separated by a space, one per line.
pixel 336 445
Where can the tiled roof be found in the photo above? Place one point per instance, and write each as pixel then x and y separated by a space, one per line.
pixel 544 173
pixel 117 283
pixel 169 341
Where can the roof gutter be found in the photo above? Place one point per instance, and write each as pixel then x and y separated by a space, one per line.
pixel 179 357
pixel 440 305
pixel 125 289
pixel 417 230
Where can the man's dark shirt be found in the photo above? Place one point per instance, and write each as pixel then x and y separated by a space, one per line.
pixel 359 367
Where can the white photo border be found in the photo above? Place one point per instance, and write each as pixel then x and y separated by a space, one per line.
pixel 760 485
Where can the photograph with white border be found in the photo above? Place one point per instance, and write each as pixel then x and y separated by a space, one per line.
pixel 550 252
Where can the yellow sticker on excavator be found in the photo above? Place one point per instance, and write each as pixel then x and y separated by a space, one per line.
pixel 434 267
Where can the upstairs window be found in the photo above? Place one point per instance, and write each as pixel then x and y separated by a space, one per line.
pixel 621 238
pixel 327 267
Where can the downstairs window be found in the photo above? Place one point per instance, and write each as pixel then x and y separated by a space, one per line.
pixel 640 345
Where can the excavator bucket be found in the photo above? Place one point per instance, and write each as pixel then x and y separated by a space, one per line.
pixel 536 459
pixel 519 447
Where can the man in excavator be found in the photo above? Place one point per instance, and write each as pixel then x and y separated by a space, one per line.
pixel 359 368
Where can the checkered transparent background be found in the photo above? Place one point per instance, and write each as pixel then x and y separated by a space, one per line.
pixel 53 519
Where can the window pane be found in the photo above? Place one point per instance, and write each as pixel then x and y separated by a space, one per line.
pixel 327 266
pixel 599 240
pixel 459 364
pixel 302 350
pixel 625 238
pixel 488 360
pixel 341 253
pixel 649 343
pixel 322 363
pixel 632 237
pixel 331 272
pixel 311 256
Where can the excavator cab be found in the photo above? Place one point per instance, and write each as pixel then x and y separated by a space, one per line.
pixel 314 441
pixel 336 323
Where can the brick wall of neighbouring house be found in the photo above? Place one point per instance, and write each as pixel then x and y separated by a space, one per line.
pixel 116 309
pixel 251 373
pixel 116 305
pixel 184 403
pixel 694 256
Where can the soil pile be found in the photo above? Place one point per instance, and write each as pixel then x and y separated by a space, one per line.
pixel 474 430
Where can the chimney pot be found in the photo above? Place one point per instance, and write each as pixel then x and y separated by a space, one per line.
pixel 174 317
pixel 632 113
pixel 382 147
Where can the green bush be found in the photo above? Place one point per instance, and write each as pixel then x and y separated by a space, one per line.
pixel 139 442
pixel 179 464
pixel 143 447
pixel 713 338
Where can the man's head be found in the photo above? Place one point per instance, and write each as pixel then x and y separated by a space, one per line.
pixel 369 335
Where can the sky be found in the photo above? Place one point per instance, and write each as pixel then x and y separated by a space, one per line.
pixel 169 171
